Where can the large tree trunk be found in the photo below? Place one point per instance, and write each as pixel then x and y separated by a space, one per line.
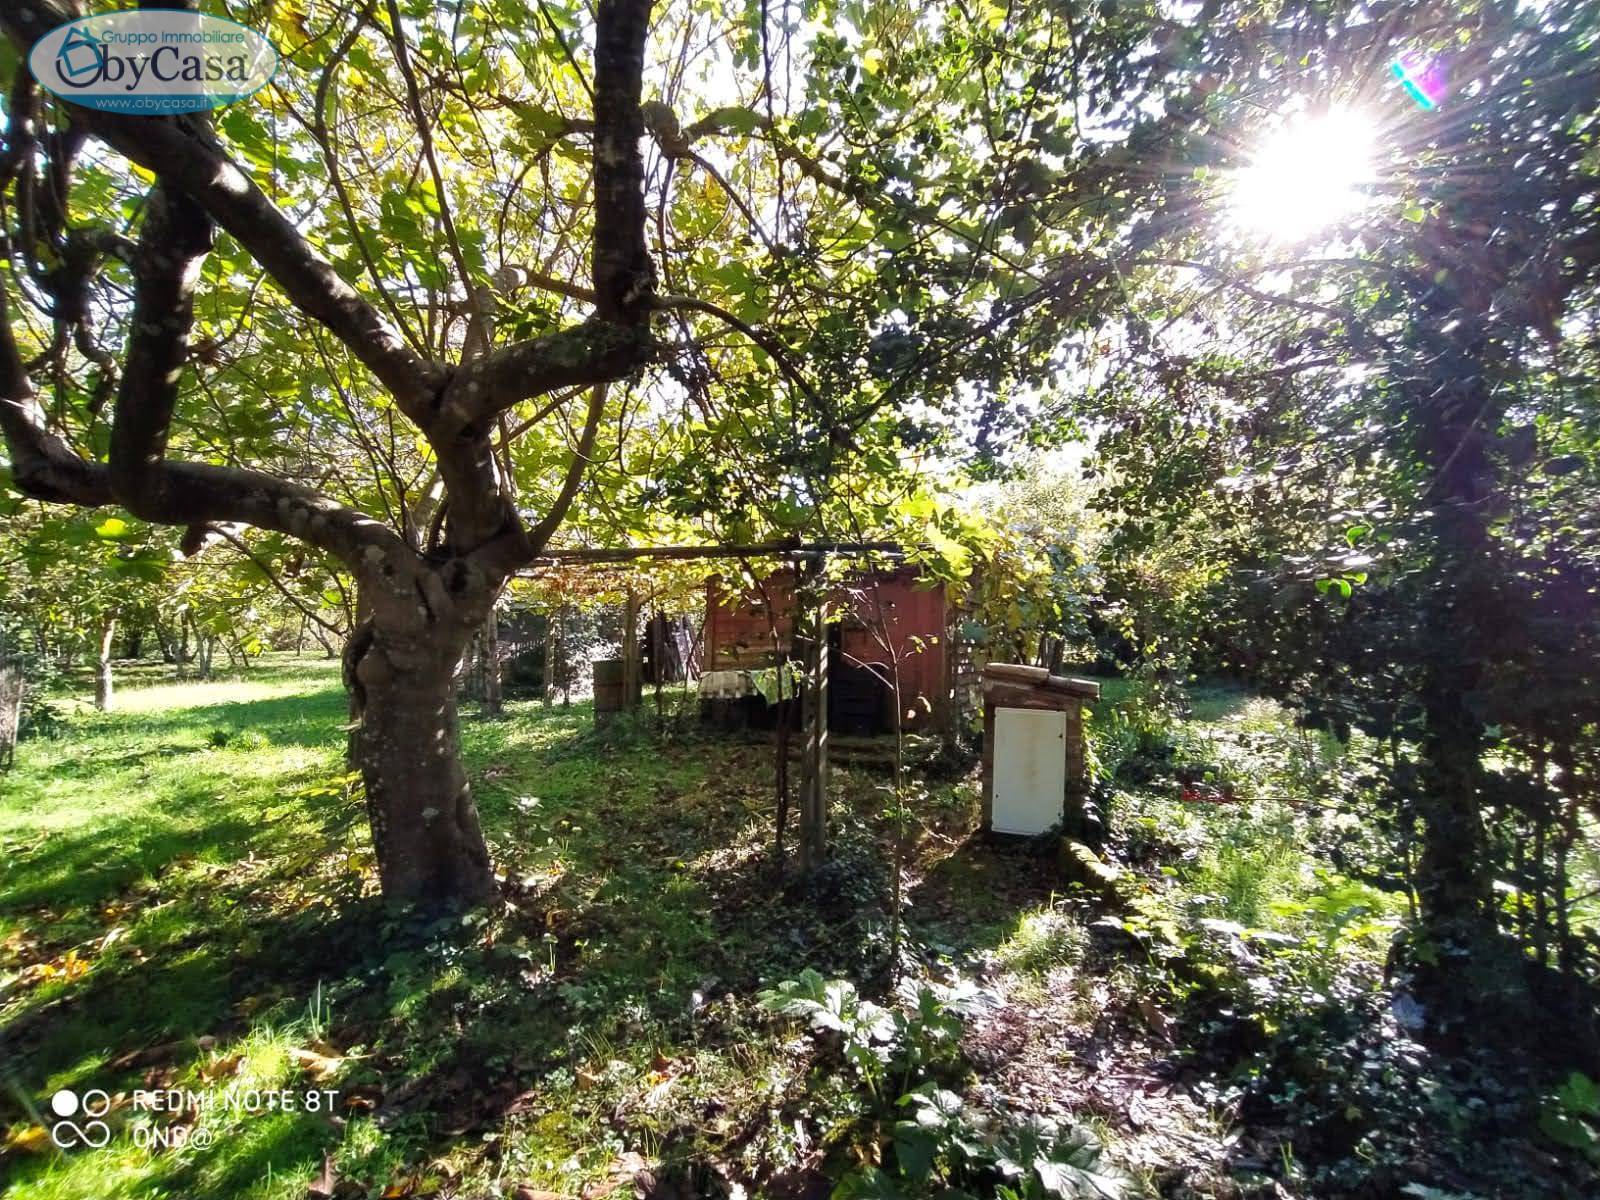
pixel 425 827
pixel 1452 883
pixel 1452 877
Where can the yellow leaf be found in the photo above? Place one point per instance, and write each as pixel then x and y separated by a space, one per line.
pixel 318 1066
pixel 30 1139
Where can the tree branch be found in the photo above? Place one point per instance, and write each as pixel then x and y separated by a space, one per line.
pixel 43 466
pixel 195 164
pixel 173 243
pixel 580 461
pixel 624 276
pixel 768 344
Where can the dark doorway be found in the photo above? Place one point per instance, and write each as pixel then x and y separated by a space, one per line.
pixel 855 695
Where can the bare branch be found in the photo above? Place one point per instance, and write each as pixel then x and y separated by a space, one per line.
pixel 542 532
pixel 767 343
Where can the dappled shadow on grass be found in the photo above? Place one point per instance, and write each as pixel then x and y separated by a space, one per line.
pixel 146 1020
pixel 642 914
pixel 200 974
pixel 92 865
pixel 969 900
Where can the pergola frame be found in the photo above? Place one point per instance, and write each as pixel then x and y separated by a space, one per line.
pixel 811 557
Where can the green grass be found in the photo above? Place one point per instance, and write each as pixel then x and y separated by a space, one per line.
pixel 187 898
pixel 1043 940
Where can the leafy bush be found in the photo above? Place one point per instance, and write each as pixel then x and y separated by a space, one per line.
pixel 945 1148
pixel 878 1042
pixel 1571 1117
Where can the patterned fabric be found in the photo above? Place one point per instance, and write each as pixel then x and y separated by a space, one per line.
pixel 725 685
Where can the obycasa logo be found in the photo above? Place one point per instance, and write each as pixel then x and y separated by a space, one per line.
pixel 153 61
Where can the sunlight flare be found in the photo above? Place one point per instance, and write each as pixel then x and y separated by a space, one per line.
pixel 1310 173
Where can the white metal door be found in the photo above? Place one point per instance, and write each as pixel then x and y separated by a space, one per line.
pixel 1030 769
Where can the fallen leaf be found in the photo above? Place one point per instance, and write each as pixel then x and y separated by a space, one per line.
pixel 29 1139
pixel 326 1184
pixel 1158 1021
pixel 365 1098
pixel 319 1066
pixel 221 1067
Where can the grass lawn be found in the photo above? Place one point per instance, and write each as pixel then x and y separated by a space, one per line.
pixel 188 901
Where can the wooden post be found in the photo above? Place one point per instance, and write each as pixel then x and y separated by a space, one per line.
pixel 814 717
pixel 548 677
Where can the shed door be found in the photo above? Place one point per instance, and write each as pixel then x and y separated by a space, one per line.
pixel 1030 770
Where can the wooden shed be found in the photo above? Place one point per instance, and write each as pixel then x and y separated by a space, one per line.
pixel 1034 772
pixel 755 629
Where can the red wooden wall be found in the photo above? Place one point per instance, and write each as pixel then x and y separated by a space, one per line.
pixel 739 633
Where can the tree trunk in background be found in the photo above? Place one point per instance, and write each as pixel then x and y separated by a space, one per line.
pixel 813 832
pixel 493 687
pixel 102 671
pixel 169 649
pixel 564 662
pixel 425 826
pixel 548 676
pixel 630 652
pixel 329 649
